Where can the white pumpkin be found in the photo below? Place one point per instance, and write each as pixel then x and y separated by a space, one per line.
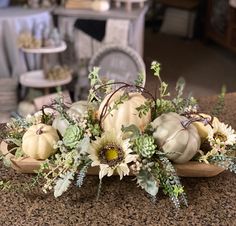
pixel 39 140
pixel 204 130
pixel 179 143
pixel 78 108
pixel 26 108
pixel 125 114
pixel 60 124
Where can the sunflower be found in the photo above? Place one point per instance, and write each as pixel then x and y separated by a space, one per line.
pixel 223 135
pixel 111 154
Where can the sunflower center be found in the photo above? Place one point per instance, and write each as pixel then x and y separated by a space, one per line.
pixel 220 136
pixel 111 154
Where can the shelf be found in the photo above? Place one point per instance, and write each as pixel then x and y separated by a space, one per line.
pixel 57 49
pixel 35 79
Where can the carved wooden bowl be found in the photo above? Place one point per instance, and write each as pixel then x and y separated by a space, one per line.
pixel 188 169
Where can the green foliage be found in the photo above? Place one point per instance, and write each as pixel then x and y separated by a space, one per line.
pixel 7 162
pixel 62 108
pixel 218 108
pixel 63 183
pixel 178 104
pixel 156 67
pixel 139 81
pixel 143 109
pixel 5 185
pixel 164 106
pixel 147 182
pixel 169 180
pixel 180 85
pixel 132 131
pixel 226 162
pixel 19 153
pixel 82 174
pixel 94 77
pixel 99 189
pixel 121 100
pixel 97 84
pixel 93 124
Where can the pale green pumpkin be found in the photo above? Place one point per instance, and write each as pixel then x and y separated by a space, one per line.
pixel 178 142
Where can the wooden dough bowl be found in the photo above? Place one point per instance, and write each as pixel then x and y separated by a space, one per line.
pixel 189 169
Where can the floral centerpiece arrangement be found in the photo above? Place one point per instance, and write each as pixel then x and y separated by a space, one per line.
pixel 122 130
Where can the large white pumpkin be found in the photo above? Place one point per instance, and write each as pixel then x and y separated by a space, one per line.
pixel 179 143
pixel 125 114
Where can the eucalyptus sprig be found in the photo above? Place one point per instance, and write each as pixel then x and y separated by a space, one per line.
pixel 156 67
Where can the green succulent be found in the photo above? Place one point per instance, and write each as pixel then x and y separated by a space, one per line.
pixel 145 146
pixel 72 136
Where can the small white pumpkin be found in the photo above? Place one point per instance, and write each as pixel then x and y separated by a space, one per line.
pixel 204 130
pixel 125 114
pixel 39 140
pixel 78 108
pixel 26 108
pixel 178 142
pixel 60 124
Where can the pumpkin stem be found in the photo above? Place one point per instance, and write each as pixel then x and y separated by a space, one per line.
pixel 39 131
pixel 205 121
pixel 186 123
pixel 200 118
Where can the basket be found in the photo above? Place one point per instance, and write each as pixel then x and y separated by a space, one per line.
pixel 189 169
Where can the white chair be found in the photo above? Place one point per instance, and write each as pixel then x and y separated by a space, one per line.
pixel 116 62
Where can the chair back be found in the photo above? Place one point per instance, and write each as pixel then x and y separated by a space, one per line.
pixel 119 63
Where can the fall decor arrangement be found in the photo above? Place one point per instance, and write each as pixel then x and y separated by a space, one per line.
pixel 121 129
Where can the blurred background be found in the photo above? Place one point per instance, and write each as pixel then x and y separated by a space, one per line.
pixel 193 39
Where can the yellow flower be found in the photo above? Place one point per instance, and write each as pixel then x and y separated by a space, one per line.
pixel 111 154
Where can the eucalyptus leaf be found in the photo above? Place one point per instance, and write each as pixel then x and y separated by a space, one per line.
pixel 63 184
pixel 7 162
pixel 84 145
pixel 19 152
pixel 132 130
pixel 147 182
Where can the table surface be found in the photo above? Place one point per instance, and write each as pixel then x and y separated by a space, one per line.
pixel 117 13
pixel 21 12
pixel 46 50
